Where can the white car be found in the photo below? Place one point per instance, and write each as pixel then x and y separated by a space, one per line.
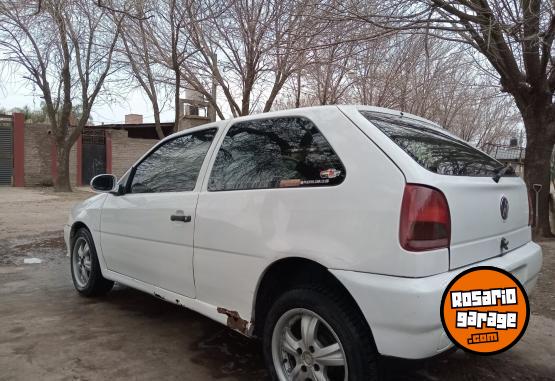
pixel 328 232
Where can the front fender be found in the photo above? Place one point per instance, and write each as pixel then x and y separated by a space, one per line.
pixel 86 213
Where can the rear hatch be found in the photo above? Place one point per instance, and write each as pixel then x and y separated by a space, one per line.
pixel 478 230
pixel 488 217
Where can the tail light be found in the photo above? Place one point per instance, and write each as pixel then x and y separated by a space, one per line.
pixel 530 210
pixel 425 219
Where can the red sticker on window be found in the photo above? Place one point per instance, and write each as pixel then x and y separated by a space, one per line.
pixel 330 173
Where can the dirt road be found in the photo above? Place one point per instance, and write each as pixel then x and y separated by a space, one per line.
pixel 30 211
pixel 48 332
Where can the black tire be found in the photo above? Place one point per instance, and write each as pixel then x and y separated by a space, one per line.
pixel 339 313
pixel 96 285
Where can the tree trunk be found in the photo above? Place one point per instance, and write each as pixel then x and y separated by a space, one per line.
pixel 272 97
pixel 62 181
pixel 245 102
pixel 176 98
pixel 298 94
pixel 157 126
pixel 213 95
pixel 537 170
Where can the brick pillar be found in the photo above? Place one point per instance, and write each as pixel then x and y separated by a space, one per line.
pixel 108 151
pixel 18 149
pixel 79 158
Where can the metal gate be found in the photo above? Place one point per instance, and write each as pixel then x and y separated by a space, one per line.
pixel 94 154
pixel 6 150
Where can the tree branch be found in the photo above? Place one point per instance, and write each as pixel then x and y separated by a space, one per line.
pixel 125 13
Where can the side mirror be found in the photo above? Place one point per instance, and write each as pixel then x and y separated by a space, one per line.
pixel 104 183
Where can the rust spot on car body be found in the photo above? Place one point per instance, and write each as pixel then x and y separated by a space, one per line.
pixel 234 321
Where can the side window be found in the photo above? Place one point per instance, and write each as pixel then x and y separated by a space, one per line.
pixel 174 166
pixel 275 153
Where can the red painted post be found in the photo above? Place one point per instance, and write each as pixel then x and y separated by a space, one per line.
pixel 79 153
pixel 18 149
pixel 108 152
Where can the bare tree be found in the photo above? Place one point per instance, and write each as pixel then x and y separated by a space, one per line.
pixel 106 5
pixel 331 73
pixel 66 50
pixel 516 39
pixel 292 33
pixel 232 48
pixel 170 44
pixel 249 48
pixel 411 73
pixel 138 56
pixel 434 79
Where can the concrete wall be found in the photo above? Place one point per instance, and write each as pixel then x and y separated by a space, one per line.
pixel 38 156
pixel 126 151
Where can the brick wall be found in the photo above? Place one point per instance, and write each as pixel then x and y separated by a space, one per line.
pixel 38 155
pixel 133 119
pixel 126 151
pixel 37 148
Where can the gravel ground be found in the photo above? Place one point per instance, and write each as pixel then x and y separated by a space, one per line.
pixel 48 332
pixel 30 211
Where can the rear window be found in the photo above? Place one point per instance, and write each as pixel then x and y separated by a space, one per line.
pixel 437 152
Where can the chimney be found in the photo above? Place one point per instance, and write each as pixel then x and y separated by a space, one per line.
pixel 513 142
pixel 192 97
pixel 133 119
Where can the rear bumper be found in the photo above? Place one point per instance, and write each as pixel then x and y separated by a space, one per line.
pixel 403 313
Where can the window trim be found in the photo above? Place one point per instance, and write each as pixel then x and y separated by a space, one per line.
pixel 162 143
pixel 210 170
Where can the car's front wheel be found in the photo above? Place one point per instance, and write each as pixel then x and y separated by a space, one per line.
pixel 314 334
pixel 85 269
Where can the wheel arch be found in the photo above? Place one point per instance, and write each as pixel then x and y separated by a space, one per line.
pixel 74 228
pixel 287 273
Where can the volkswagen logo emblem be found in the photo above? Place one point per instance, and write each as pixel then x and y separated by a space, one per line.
pixel 504 208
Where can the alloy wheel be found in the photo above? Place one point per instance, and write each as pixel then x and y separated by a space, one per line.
pixel 305 347
pixel 82 262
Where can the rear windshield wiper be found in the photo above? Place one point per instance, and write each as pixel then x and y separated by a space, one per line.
pixel 502 171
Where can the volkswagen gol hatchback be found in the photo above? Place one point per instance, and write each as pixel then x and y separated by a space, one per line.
pixel 328 232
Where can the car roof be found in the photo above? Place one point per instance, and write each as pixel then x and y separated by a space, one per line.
pixel 301 110
pixel 383 110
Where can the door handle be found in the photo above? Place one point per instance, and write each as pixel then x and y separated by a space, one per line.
pixel 180 217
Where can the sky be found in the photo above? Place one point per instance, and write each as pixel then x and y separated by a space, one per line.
pixel 17 92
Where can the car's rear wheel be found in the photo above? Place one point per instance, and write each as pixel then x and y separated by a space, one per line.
pixel 85 269
pixel 312 334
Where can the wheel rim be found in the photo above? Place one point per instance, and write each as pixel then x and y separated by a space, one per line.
pixel 305 347
pixel 81 262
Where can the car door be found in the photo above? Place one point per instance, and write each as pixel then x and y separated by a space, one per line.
pixel 271 193
pixel 147 233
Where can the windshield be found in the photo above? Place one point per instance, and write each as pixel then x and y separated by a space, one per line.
pixel 433 150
